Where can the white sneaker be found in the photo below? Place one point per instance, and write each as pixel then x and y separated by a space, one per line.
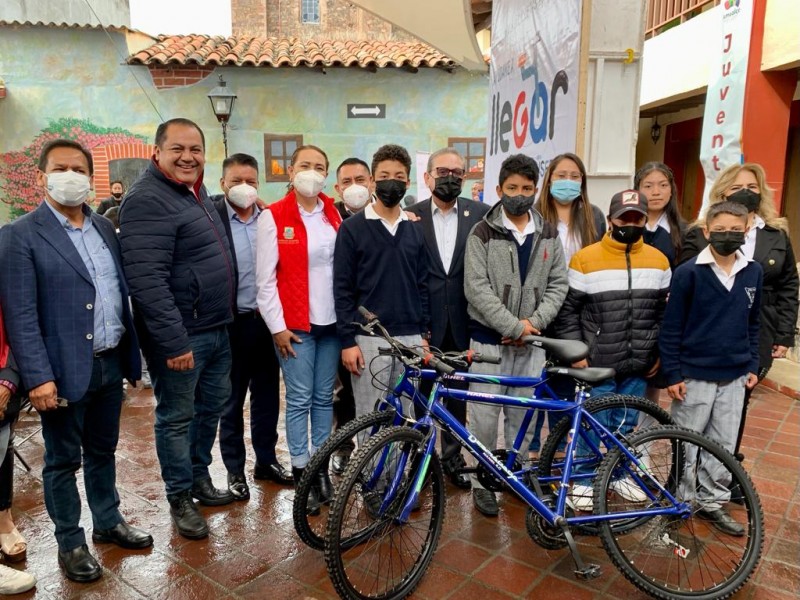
pixel 582 497
pixel 629 490
pixel 13 581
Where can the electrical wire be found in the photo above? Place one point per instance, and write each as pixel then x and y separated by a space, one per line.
pixel 122 56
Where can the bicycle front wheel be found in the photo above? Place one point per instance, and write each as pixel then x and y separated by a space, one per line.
pixel 311 528
pixel 681 555
pixel 371 551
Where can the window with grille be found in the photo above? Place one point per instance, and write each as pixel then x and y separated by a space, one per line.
pixel 473 151
pixel 309 11
pixel 278 150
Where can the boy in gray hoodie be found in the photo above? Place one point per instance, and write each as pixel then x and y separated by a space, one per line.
pixel 515 280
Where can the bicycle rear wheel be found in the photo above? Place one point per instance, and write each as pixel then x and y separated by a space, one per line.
pixel 628 410
pixel 680 556
pixel 370 551
pixel 311 528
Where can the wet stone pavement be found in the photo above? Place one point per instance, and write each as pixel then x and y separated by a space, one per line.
pixel 253 552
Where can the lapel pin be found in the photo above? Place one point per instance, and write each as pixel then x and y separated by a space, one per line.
pixel 771 261
pixel 466 213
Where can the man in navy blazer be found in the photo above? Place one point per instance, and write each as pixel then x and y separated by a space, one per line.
pixel 446 220
pixel 65 300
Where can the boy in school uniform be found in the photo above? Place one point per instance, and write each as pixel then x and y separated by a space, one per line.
pixel 380 262
pixel 709 348
pixel 515 281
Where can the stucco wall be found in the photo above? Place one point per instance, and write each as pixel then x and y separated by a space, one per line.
pixel 57 73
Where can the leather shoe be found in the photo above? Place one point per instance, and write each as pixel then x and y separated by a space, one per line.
pixel 485 501
pixel 452 469
pixel 187 518
pixel 237 485
pixel 339 462
pixel 207 495
pixel 79 565
pixel 274 472
pixel 123 535
pixel 722 521
pixel 312 503
pixel 324 485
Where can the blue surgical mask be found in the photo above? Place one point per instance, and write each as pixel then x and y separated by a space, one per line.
pixel 565 190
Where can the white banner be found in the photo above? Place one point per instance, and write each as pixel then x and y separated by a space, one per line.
pixel 720 145
pixel 533 106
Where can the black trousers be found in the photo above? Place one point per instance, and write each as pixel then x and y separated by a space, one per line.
pixel 7 472
pixel 451 447
pixel 254 367
pixel 344 408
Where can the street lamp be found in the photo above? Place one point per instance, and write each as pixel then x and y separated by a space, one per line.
pixel 222 99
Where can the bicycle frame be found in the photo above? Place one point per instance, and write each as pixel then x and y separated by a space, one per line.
pixel 436 412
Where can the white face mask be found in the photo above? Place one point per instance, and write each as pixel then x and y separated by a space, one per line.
pixel 243 195
pixel 68 188
pixel 308 183
pixel 355 197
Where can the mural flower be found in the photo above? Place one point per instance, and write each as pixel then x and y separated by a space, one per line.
pixel 18 167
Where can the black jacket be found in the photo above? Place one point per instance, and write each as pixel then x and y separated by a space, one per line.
pixel 108 204
pixel 177 261
pixel 779 295
pixel 446 289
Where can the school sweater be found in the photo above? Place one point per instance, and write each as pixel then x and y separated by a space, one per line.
pixel 710 333
pixel 387 274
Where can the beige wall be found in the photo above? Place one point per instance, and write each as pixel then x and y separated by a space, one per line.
pixel 781 35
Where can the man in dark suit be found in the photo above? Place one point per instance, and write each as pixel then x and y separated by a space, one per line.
pixel 446 220
pixel 65 300
pixel 254 364
pixel 117 189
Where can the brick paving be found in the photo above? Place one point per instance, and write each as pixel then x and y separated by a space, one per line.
pixel 253 552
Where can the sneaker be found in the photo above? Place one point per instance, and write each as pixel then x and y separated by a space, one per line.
pixel 13 581
pixel 628 489
pixel 582 497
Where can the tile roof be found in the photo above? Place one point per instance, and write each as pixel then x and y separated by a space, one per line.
pixel 64 25
pixel 287 52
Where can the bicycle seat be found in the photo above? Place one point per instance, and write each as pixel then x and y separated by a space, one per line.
pixel 588 375
pixel 569 351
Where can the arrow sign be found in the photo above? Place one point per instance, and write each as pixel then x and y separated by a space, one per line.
pixel 366 111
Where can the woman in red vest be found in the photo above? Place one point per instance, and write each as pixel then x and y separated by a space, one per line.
pixel 294 275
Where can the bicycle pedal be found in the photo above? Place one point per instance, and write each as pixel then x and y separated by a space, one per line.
pixel 589 572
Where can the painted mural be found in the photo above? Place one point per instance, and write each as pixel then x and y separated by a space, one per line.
pixel 18 186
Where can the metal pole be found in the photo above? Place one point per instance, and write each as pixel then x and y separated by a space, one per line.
pixel 225 137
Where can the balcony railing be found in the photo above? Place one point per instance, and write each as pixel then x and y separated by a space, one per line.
pixel 666 14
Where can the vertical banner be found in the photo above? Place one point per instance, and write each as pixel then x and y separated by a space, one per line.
pixel 533 105
pixel 720 144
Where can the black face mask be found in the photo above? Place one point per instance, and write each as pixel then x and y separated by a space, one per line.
pixel 627 234
pixel 447 188
pixel 517 206
pixel 117 195
pixel 726 243
pixel 390 191
pixel 747 198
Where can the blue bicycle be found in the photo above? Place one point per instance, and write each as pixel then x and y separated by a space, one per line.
pixel 387 512
pixel 310 520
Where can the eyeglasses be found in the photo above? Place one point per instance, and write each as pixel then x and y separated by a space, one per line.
pixel 444 172
pixel 565 175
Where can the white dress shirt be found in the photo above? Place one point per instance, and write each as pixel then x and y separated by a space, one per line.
pixel 706 258
pixel 321 239
pixel 445 226
pixel 370 214
pixel 662 222
pixel 749 248
pixel 519 235
pixel 568 242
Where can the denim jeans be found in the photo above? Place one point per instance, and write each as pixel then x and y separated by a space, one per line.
pixel 309 380
pixel 188 407
pixel 619 419
pixel 88 427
